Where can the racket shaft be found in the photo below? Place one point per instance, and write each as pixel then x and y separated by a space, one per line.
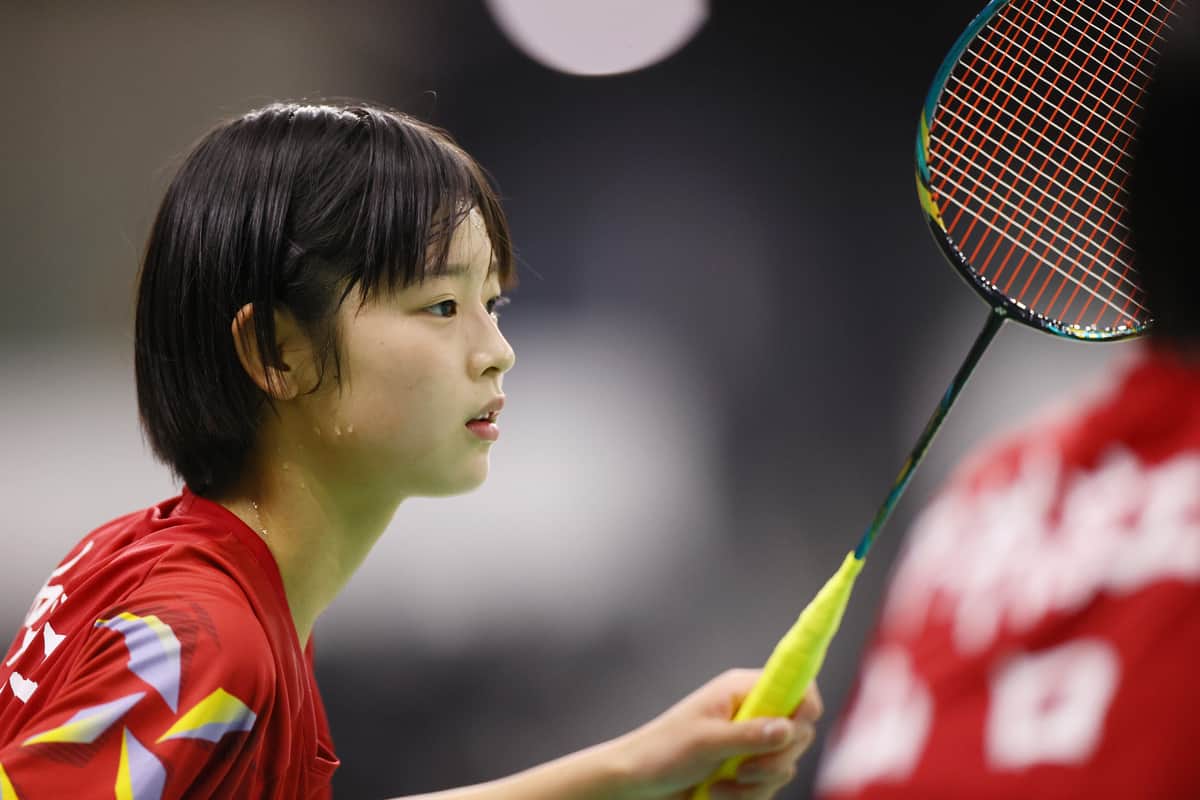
pixel 796 660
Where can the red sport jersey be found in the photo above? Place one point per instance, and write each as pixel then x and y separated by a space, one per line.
pixel 160 661
pixel 1041 633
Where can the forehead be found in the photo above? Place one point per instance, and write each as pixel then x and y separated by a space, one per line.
pixel 470 249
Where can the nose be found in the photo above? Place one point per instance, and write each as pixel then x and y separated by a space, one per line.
pixel 492 353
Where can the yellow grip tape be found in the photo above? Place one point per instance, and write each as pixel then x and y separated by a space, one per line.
pixel 795 662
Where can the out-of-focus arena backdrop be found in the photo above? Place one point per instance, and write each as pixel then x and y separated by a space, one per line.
pixel 732 324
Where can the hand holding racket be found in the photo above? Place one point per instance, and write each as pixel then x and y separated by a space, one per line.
pixel 1022 168
pixel 664 759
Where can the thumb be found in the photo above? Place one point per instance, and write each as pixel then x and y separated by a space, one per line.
pixel 762 735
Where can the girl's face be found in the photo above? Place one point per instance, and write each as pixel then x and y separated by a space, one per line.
pixel 418 365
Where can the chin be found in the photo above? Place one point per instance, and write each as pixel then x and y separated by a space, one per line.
pixel 459 484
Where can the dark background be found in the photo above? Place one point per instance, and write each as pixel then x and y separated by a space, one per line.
pixel 732 324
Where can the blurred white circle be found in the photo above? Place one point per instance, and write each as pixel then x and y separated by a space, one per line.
pixel 599 37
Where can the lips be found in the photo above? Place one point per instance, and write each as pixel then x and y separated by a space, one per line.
pixel 483 424
pixel 488 431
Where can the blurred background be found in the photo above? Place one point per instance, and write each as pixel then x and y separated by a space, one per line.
pixel 731 327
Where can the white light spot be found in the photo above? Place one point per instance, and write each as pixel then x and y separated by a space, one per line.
pixel 599 37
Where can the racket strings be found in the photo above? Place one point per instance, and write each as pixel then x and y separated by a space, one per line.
pixel 1032 216
pixel 1044 62
pixel 1132 91
pixel 1103 33
pixel 1009 97
pixel 1168 8
pixel 1110 86
pixel 1159 24
pixel 1081 68
pixel 1075 140
pixel 993 67
pixel 1056 247
pixel 1029 145
pixel 1023 158
pixel 1059 240
pixel 1133 84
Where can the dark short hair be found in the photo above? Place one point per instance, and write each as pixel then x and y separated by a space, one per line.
pixel 292 206
pixel 1164 203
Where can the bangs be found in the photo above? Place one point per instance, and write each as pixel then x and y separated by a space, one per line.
pixel 418 188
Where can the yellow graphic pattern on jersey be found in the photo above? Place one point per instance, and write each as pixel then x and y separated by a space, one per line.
pixel 124 787
pixel 7 792
pixel 87 725
pixel 213 717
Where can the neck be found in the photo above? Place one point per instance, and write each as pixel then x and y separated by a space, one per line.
pixel 318 532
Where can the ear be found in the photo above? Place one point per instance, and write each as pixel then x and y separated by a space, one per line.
pixel 274 375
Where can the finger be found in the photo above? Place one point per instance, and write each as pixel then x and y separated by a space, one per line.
pixel 761 735
pixel 740 676
pixel 812 706
pixel 724 694
pixel 737 683
pixel 771 773
pixel 776 767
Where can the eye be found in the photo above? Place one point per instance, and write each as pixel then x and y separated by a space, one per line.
pixel 495 304
pixel 446 308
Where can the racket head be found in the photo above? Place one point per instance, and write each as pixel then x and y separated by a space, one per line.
pixel 1022 159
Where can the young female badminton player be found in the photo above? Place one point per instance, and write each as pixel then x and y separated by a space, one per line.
pixel 1041 633
pixel 316 340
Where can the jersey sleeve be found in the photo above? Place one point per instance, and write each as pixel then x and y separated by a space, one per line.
pixel 161 701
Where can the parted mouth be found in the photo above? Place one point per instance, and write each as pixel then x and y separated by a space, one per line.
pixel 490 412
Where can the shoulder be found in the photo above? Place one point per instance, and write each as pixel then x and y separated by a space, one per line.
pixel 163 651
pixel 174 612
pixel 170 642
pixel 193 573
pixel 164 689
pixel 131 584
pixel 168 652
pixel 1144 402
pixel 204 628
pixel 1041 440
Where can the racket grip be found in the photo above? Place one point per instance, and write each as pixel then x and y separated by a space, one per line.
pixel 796 660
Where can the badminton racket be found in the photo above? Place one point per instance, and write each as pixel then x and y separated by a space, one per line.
pixel 1022 161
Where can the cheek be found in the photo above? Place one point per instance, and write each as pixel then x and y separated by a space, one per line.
pixel 396 403
pixel 401 395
